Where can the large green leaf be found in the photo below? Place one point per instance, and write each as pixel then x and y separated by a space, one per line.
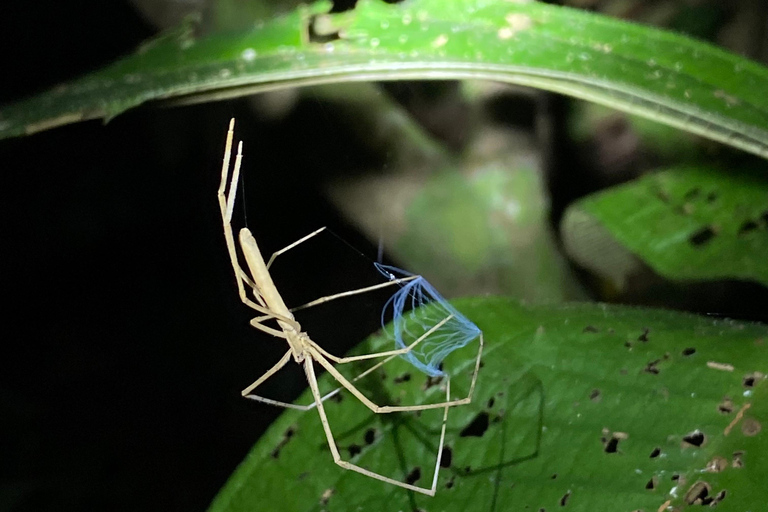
pixel 667 77
pixel 591 407
pixel 685 223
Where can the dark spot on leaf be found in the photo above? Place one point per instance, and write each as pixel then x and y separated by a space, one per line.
pixel 370 436
pixel 726 406
pixel 554 476
pixel 447 458
pixel 623 371
pixel 449 483
pixel 698 493
pixel 490 403
pixel 482 364
pixel 644 336
pixel 738 459
pixel 695 438
pixel 354 450
pixel 383 375
pixel 662 194
pixel 702 236
pixel 747 227
pixel 303 476
pixel 628 345
pixel 477 427
pixel 402 378
pixel 689 351
pixel 595 395
pixel 652 367
pixel 712 197
pixel 652 483
pixel 413 476
pixel 564 499
pixel 675 477
pixel 321 30
pixel 590 328
pixel 287 435
pixel 751 427
pixel 656 452
pixel 717 464
pixel 692 194
pixel 468 469
pixel 336 398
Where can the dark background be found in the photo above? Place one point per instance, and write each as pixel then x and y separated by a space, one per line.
pixel 124 344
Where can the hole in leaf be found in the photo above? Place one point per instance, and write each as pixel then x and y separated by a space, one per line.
pixel 652 483
pixel 689 351
pixel 675 477
pixel 432 382
pixel 554 476
pixel 326 496
pixel 402 378
pixel 447 458
pixel 656 452
pixel 718 498
pixel 738 459
pixel 564 499
pixel 413 476
pixel 726 406
pixel 595 395
pixel 590 328
pixel 698 493
pixel 354 450
pixel 477 427
pixel 611 440
pixel 370 436
pixel 717 464
pixel 695 438
pixel 751 427
pixel 751 379
pixel 747 227
pixel 321 29
pixel 702 236
pixel 490 403
pixel 644 336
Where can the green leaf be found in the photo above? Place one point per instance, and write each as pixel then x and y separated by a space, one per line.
pixel 661 75
pixel 685 223
pixel 585 405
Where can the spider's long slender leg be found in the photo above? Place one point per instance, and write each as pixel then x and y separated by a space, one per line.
pixel 294 244
pixel 310 372
pixel 328 298
pixel 349 386
pixel 247 391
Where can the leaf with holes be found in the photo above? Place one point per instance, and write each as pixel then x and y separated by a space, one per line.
pixel 686 223
pixel 577 408
pixel 670 78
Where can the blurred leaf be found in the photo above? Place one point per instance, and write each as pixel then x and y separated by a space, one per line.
pixel 685 223
pixel 587 406
pixel 664 76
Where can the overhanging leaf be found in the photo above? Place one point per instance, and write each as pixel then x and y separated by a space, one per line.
pixel 667 77
pixel 686 223
pixel 589 406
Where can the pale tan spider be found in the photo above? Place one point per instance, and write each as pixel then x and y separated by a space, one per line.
pixel 268 302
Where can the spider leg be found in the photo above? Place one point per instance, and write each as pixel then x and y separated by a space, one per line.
pixel 310 372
